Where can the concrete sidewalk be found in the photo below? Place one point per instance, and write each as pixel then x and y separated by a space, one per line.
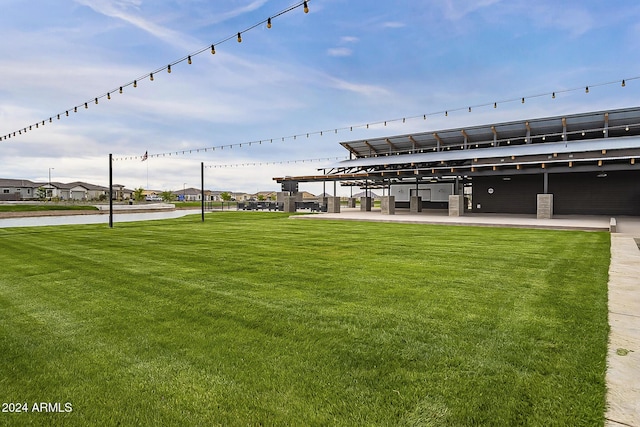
pixel 623 357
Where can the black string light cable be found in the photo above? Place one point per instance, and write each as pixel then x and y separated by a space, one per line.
pixel 150 76
pixel 279 162
pixel 294 137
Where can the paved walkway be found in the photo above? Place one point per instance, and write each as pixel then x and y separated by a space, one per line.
pixel 623 358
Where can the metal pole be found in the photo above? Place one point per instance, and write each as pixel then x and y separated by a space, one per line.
pixel 110 190
pixel 202 182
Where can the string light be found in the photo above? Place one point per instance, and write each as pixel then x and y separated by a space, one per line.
pixel 109 95
pixel 586 89
pixel 623 83
pixel 169 68
pixel 120 89
pixel 135 83
pixel 306 7
pixel 239 38
pixel 213 50
pixel 269 23
pixel 151 76
pixel 189 60
pixel 96 101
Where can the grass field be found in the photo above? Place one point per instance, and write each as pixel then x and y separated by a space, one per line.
pixel 256 319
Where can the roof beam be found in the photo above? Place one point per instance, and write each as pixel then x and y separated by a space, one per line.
pixel 391 144
pixel 371 148
pixel 467 140
pixel 438 140
pixel 414 142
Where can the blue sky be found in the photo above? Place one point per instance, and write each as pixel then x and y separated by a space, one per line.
pixel 345 63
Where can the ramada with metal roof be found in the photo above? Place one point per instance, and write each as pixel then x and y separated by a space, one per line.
pixel 588 162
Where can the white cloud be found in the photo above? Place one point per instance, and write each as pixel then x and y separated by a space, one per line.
pixel 393 24
pixel 455 10
pixel 339 51
pixel 120 9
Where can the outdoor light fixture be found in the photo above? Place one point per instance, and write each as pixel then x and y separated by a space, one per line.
pixel 306 7
pixel 151 76
pixel 213 50
pixel 269 23
pixel 239 38
pixel 189 60
pixel 135 83
pixel 586 90
pixel 169 68
pixel 120 89
pixel 623 83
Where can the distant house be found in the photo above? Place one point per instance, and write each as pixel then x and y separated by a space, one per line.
pixel 192 195
pixel 122 193
pixel 18 189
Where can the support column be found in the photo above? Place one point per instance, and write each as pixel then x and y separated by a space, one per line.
pixel 415 205
pixel 365 204
pixel 456 205
pixel 545 206
pixel 289 203
pixel 351 203
pixel 388 205
pixel 333 205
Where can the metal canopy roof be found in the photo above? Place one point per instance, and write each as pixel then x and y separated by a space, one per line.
pixel 597 141
pixel 562 128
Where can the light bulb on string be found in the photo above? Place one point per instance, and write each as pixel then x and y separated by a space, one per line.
pixel 189 60
pixel 86 105
pixel 108 95
pixel 213 50
pixel 75 109
pixel 553 95
pixel 522 100
pixel 623 83
pixel 169 68
pixel 306 7
pixel 586 89
pixel 151 76
pixel 495 105
pixel 120 89
pixel 269 23
pixel 96 101
pixel 135 83
pixel 67 113
pixel 239 38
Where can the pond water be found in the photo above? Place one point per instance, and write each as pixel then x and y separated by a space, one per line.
pixel 93 219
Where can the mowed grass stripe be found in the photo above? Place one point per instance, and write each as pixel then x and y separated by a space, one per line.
pixel 253 318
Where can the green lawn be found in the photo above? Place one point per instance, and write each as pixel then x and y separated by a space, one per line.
pixel 256 319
